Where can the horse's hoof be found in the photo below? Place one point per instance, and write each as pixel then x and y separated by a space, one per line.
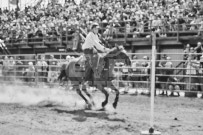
pixel 104 104
pixel 114 105
pixel 101 109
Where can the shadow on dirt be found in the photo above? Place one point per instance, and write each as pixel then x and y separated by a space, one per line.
pixel 82 115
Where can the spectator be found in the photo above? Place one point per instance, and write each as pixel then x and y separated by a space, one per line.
pixel 76 40
pixel 19 68
pixel 136 70
pixel 163 61
pixel 108 33
pixel 200 31
pixel 186 52
pixel 201 73
pixel 1 66
pixel 199 50
pixel 52 73
pixel 39 20
pixel 169 66
pixel 68 58
pixel 171 86
pixel 42 69
pixel 192 65
pixel 163 78
pixel 5 69
pixel 11 69
pixel 145 71
pixel 30 73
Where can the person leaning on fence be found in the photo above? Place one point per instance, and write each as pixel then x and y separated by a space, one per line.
pixel 52 73
pixel 186 52
pixel 42 69
pixel 199 50
pixel 163 73
pixel 192 65
pixel 19 68
pixel 135 71
pixel 169 72
pixel 92 46
pixel 30 76
pixel 1 66
pixel 200 31
pixel 11 69
pixel 5 68
pixel 201 73
pixel 145 71
pixel 169 66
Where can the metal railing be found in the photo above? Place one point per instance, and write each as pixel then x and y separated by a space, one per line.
pixel 167 79
pixel 138 77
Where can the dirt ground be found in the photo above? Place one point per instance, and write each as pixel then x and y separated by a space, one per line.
pixel 173 116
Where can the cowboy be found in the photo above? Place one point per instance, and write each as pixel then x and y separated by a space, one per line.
pixel 92 45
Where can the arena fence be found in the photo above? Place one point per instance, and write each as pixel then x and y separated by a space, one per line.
pixel 33 70
pixel 177 76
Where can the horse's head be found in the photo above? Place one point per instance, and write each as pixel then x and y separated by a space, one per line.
pixel 123 55
pixel 119 54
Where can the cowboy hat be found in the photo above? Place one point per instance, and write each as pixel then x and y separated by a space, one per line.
pixel 95 25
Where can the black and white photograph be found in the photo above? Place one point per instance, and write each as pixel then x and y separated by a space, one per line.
pixel 101 67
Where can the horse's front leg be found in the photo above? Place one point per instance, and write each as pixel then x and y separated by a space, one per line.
pixel 115 103
pixel 105 102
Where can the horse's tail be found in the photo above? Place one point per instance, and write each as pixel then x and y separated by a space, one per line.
pixel 62 73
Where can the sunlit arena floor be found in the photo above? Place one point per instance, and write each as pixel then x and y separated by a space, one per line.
pixel 32 111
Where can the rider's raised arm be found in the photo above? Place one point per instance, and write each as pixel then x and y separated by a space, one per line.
pixel 95 41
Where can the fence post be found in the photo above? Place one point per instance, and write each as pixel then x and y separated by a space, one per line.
pixel 190 72
pixel 153 61
pixel 36 70
pixel 126 34
pixel 178 37
pixel 66 38
pixel 15 69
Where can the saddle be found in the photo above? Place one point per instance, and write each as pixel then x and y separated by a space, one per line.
pixel 97 61
pixel 98 64
pixel 80 63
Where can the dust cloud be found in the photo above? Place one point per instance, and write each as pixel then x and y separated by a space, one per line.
pixel 27 96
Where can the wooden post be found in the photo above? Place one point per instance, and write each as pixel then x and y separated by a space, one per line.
pixel 153 61
pixel 178 31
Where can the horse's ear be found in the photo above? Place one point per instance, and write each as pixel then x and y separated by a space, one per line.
pixel 121 48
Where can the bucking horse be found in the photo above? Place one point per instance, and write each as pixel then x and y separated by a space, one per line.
pixel 103 69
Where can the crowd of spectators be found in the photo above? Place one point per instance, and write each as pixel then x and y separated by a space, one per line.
pixel 137 16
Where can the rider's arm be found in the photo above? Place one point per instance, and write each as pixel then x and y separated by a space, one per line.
pixel 95 41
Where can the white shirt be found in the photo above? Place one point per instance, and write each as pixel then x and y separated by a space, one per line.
pixel 91 41
pixel 169 64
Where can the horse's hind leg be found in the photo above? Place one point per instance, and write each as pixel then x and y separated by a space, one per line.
pixel 83 97
pixel 88 94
